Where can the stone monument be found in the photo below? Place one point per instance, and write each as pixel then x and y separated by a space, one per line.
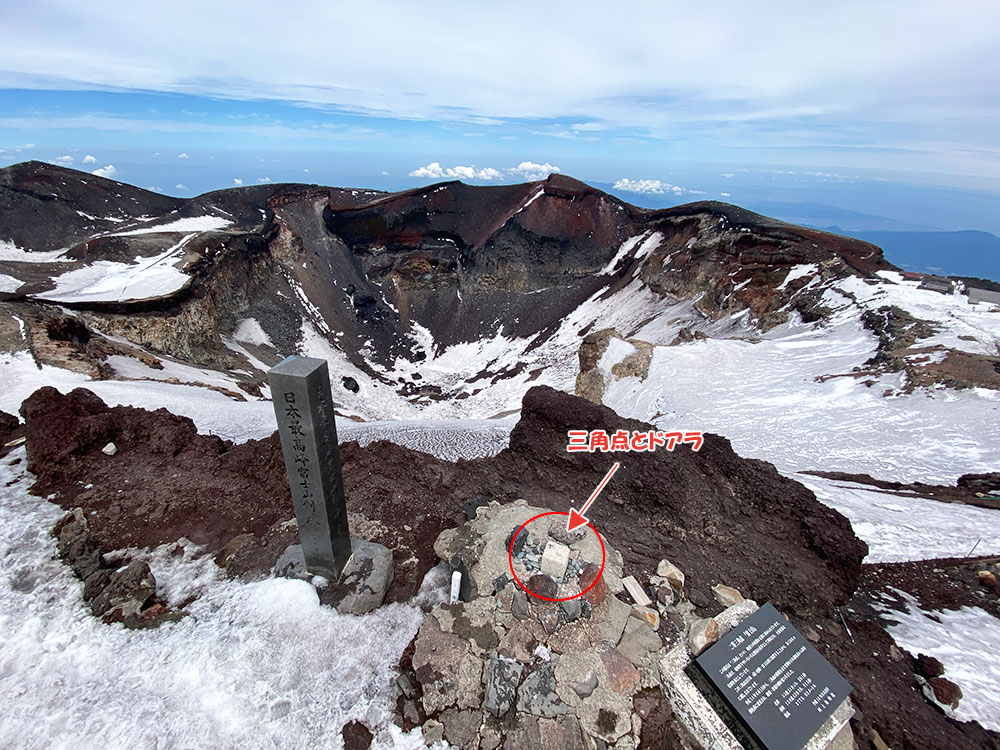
pixel 300 390
pixel 775 684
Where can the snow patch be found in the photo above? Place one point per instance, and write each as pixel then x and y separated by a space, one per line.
pixel 797 272
pixel 965 642
pixel 189 224
pixel 110 281
pixel 9 283
pixel 10 251
pixel 901 528
pixel 649 243
pixel 249 331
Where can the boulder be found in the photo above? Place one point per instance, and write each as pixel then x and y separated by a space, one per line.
pixel 673 575
pixel 356 736
pixel 946 692
pixel 928 667
pixel 363 583
pixel 126 593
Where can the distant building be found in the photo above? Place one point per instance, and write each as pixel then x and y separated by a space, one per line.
pixel 938 284
pixel 912 276
pixel 983 295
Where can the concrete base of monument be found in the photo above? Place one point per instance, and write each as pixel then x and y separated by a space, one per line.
pixel 700 718
pixel 360 588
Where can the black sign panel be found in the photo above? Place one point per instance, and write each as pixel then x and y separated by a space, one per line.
pixel 779 687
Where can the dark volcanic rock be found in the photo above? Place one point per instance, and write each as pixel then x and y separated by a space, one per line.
pixel 716 515
pixel 542 585
pixel 8 423
pixel 127 590
pixel 356 736
pixel 929 667
pixel 166 481
pixel 981 482
pixel 945 691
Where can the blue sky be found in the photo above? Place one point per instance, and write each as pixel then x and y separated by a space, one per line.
pixel 886 108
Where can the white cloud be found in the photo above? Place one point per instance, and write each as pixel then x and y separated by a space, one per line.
pixel 728 174
pixel 180 186
pixel 649 187
pixel 109 171
pixel 918 71
pixel 532 171
pixel 386 174
pixel 725 195
pixel 435 171
pixel 237 181
pixel 154 189
pixel 88 159
pixel 263 179
pixel 527 170
pixel 24 147
pixel 183 156
pixel 63 160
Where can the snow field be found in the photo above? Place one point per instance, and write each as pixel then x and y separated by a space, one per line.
pixel 109 281
pixel 10 251
pixel 965 641
pixel 189 224
pixel 766 399
pixel 900 528
pixel 259 665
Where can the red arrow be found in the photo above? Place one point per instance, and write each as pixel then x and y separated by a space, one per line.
pixel 577 518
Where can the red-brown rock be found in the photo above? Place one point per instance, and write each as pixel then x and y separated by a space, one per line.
pixel 590 573
pixel 946 691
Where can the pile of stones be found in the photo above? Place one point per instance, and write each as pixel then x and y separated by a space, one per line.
pixel 566 655
pixel 116 589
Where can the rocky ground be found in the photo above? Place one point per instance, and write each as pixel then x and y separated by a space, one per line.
pixel 717 517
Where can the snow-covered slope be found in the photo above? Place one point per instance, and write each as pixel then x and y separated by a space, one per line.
pixel 253 665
